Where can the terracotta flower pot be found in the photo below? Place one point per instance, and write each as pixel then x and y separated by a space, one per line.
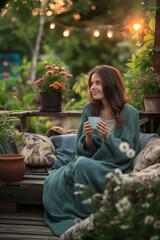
pixel 51 102
pixel 152 102
pixel 12 167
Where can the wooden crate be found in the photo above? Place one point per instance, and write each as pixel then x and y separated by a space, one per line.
pixel 27 191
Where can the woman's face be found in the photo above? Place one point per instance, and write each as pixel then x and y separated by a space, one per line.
pixel 96 87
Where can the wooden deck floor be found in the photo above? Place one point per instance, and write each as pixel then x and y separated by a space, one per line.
pixel 26 224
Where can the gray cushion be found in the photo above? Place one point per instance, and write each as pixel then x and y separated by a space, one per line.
pixel 145 137
pixel 65 146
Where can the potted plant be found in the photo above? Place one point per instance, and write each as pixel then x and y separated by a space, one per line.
pixel 53 86
pixel 148 85
pixel 12 166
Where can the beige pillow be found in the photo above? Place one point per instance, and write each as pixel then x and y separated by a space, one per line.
pixel 56 130
pixel 148 175
pixel 73 233
pixel 148 156
pixel 38 150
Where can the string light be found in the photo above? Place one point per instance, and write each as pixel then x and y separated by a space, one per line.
pixel 66 33
pixel 100 28
pixel 109 34
pixel 52 25
pixel 96 33
pixel 137 26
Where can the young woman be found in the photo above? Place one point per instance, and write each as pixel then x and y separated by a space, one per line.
pixel 97 151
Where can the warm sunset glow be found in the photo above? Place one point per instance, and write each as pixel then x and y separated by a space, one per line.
pixel 137 26
pixel 96 33
pixel 52 25
pixel 66 33
pixel 109 34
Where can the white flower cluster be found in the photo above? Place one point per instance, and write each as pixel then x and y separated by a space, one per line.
pixel 124 147
pixel 123 205
pixel 115 177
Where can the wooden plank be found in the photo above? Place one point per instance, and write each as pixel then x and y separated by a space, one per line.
pixel 33 176
pixel 22 222
pixel 15 217
pixel 143 121
pixel 25 182
pixel 32 113
pixel 25 229
pixel 11 236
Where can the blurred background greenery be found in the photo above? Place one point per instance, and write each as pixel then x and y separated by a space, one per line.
pixel 34 30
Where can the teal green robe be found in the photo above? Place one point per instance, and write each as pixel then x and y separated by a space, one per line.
pixel 61 205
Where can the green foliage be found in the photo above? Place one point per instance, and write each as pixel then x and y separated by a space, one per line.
pixel 80 88
pixel 39 125
pixel 25 89
pixel 140 62
pixel 8 123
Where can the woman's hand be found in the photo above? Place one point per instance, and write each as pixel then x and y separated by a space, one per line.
pixel 88 129
pixel 102 127
pixel 89 133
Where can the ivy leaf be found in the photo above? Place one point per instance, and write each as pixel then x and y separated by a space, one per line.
pixel 152 24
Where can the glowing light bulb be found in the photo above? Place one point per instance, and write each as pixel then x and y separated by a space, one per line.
pixel 96 33
pixel 137 26
pixel 52 25
pixel 109 34
pixel 66 33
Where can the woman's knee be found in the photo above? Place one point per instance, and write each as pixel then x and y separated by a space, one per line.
pixel 82 164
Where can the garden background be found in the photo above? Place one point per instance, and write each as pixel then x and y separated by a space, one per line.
pixel 32 31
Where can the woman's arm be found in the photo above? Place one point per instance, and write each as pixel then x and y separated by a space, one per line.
pixel 89 134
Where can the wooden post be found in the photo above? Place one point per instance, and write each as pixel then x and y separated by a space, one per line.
pixel 156 56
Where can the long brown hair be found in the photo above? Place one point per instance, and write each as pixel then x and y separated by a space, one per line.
pixel 113 89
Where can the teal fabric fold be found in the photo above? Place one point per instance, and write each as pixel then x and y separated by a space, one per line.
pixel 61 205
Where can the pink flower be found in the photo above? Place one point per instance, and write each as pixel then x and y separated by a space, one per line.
pixel 5 75
pixel 69 75
pixel 152 68
pixel 62 85
pixel 5 63
pixel 48 73
pixel 158 79
pixel 49 67
pixel 134 93
pixel 63 73
pixel 39 80
pixel 138 84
